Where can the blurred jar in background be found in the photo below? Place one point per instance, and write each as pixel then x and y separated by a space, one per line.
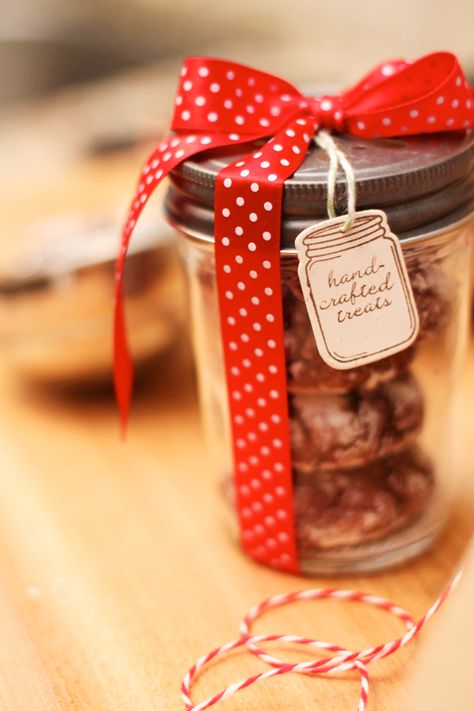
pixel 372 447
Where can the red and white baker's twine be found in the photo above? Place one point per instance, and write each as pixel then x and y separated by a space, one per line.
pixel 300 667
pixel 342 661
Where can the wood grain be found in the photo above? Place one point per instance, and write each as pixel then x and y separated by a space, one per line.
pixel 117 571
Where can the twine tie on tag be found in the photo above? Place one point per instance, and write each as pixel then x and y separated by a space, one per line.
pixel 337 156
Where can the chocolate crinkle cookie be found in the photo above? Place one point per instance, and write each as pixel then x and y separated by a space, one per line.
pixel 346 431
pixel 338 508
pixel 306 370
pixel 433 294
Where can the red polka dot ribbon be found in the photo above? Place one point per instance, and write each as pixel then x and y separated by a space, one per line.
pixel 220 103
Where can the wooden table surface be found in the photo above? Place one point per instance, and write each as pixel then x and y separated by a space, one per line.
pixel 116 570
pixel 116 567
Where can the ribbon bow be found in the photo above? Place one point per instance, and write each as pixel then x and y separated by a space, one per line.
pixel 220 103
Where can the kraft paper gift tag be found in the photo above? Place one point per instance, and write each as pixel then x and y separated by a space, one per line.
pixel 357 290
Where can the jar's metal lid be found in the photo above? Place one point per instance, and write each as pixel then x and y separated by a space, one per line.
pixel 420 181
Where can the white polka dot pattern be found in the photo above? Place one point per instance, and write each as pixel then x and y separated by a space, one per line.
pixel 395 98
pixel 172 150
pixel 409 98
pixel 219 103
pixel 252 327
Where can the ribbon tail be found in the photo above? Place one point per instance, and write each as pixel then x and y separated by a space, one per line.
pixel 123 367
pixel 173 150
pixel 248 203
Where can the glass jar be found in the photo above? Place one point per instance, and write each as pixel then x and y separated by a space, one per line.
pixel 372 447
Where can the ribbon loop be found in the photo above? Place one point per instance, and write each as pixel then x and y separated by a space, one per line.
pixel 216 95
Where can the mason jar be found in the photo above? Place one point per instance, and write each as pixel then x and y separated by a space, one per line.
pixel 372 447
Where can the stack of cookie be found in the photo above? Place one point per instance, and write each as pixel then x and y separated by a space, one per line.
pixel 359 473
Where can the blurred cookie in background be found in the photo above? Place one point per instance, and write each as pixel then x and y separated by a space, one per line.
pixel 56 297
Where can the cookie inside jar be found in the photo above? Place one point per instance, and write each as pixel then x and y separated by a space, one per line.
pixel 363 479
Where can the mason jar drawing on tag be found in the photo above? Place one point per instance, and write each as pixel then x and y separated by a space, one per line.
pixel 356 290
